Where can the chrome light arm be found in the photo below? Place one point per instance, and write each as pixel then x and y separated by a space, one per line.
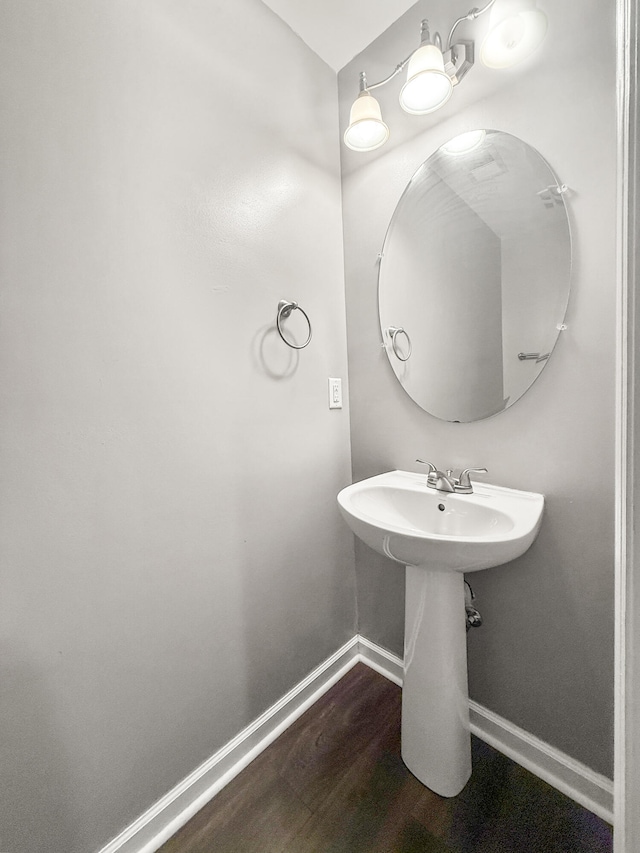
pixel 366 87
pixel 455 71
pixel 424 36
pixel 471 15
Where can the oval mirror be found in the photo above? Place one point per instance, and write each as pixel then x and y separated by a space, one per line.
pixel 474 276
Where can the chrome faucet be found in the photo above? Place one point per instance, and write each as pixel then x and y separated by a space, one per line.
pixel 442 482
pixel 463 486
pixel 438 479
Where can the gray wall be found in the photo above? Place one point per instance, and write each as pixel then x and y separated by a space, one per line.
pixel 544 657
pixel 172 556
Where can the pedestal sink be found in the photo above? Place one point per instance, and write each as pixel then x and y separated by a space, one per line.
pixel 438 536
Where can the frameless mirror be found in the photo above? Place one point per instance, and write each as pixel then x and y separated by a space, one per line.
pixel 474 276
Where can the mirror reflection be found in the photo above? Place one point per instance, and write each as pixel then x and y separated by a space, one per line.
pixel 474 276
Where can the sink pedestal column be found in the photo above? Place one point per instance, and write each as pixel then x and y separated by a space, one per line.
pixel 436 743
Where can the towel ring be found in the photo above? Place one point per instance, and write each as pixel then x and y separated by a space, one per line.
pixel 284 310
pixel 393 333
pixel 534 356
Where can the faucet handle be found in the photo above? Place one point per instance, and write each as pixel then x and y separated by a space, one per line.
pixel 464 482
pixel 432 467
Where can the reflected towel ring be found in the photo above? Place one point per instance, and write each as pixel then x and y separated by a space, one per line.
pixel 393 332
pixel 284 310
pixel 534 356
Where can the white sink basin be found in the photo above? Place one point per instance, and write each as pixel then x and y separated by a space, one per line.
pixel 398 516
pixel 438 536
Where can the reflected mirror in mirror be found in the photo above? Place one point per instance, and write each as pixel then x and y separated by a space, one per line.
pixel 474 276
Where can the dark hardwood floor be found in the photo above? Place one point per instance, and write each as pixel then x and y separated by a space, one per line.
pixel 334 782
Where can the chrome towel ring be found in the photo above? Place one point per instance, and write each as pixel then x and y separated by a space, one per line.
pixel 534 356
pixel 284 310
pixel 393 333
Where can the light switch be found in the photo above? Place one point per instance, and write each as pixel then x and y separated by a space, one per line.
pixel 335 393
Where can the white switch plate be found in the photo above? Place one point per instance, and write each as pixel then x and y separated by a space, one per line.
pixel 335 393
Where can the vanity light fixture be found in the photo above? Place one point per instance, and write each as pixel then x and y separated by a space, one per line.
pixel 516 28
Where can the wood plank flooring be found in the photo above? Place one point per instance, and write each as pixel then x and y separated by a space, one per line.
pixel 334 782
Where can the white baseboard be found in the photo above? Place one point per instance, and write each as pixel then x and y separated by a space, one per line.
pixel 384 662
pixel 591 790
pixel 165 817
pixel 153 828
pixel 576 780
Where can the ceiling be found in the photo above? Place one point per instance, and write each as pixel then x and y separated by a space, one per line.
pixel 337 30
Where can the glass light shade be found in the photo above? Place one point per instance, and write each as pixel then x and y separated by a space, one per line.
pixel 516 29
pixel 428 86
pixel 366 129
